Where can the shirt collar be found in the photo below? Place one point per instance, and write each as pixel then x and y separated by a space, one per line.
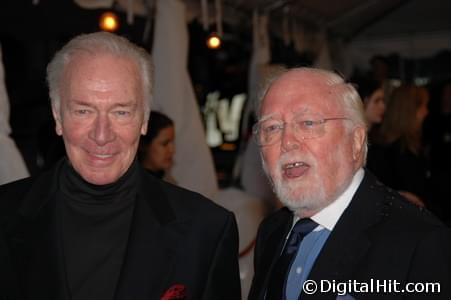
pixel 328 216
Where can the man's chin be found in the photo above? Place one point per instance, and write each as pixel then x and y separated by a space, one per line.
pixel 99 178
pixel 296 204
pixel 301 204
pixel 303 211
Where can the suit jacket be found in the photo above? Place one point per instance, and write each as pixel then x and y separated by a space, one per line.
pixel 379 236
pixel 180 244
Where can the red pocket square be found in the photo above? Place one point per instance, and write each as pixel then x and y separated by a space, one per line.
pixel 175 292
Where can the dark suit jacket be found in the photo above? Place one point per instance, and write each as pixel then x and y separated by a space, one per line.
pixel 379 236
pixel 177 239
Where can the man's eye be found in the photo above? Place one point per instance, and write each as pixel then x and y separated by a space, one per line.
pixel 308 123
pixel 81 111
pixel 122 113
pixel 271 128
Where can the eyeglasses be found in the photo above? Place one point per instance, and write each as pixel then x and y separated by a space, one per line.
pixel 269 131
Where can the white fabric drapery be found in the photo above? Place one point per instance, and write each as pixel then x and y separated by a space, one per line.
pixel 94 4
pixel 174 96
pixel 12 165
pixel 249 164
pixel 249 212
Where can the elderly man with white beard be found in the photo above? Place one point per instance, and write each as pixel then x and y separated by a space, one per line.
pixel 342 234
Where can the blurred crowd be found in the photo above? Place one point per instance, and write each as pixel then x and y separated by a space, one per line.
pixel 409 137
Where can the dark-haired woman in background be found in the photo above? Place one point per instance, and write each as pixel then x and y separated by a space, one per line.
pixel 156 148
pixel 372 96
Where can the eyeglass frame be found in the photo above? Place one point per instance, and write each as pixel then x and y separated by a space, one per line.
pixel 281 127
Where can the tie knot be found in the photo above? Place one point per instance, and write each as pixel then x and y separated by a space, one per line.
pixel 304 226
pixel 298 232
pixel 278 281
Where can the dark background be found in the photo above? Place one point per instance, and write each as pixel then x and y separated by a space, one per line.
pixel 30 35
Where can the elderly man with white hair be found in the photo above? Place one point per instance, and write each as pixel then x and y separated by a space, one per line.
pixel 97 225
pixel 342 234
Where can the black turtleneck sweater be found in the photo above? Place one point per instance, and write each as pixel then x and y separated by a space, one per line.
pixel 95 228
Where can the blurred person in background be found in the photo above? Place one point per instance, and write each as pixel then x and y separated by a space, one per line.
pixel 403 165
pixel 372 96
pixel 156 148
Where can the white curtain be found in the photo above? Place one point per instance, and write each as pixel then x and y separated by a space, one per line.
pixel 249 212
pixel 249 165
pixel 174 96
pixel 249 205
pixel 12 165
pixel 94 4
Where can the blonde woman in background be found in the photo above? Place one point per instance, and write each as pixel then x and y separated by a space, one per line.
pixel 404 166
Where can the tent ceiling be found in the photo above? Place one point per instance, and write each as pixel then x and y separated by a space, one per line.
pixel 353 19
pixel 350 19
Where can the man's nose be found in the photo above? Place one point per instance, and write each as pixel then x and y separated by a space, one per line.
pixel 102 132
pixel 289 138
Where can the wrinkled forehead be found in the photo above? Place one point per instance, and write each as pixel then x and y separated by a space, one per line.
pixel 296 92
pixel 103 70
pixel 86 61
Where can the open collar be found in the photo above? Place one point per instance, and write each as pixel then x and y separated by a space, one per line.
pixel 329 216
pixel 349 241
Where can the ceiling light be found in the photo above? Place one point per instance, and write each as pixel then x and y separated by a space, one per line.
pixel 214 41
pixel 109 22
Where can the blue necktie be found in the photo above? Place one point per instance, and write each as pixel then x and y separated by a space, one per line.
pixel 279 274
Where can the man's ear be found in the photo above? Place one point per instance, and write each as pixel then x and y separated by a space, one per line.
pixel 144 128
pixel 358 142
pixel 57 117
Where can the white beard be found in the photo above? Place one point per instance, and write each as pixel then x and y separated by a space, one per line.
pixel 303 200
pixel 292 195
pixel 296 198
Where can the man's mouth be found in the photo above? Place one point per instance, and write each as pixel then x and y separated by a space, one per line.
pixel 100 155
pixel 103 156
pixel 295 169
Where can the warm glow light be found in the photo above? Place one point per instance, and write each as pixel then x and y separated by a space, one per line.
pixel 214 41
pixel 109 22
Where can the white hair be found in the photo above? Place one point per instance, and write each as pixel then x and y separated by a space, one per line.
pixel 99 43
pixel 345 92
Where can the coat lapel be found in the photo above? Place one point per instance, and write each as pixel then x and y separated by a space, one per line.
pixel 34 235
pixel 153 240
pixel 272 248
pixel 349 241
pixel 34 238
